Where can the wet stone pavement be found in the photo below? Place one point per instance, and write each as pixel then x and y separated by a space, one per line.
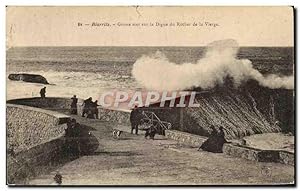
pixel 134 160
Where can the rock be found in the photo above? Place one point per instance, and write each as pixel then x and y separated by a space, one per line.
pixel 33 78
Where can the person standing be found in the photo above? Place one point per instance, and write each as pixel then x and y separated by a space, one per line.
pixel 95 109
pixel 86 106
pixel 43 92
pixel 74 105
pixel 135 120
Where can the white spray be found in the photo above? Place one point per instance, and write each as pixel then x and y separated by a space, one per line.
pixel 156 72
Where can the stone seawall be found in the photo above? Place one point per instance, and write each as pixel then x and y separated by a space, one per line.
pixel 259 155
pixel 34 139
pixel 50 103
pixel 233 149
pixel 29 126
pixel 185 138
pixel 111 115
pixel 29 163
pixel 118 116
pixel 64 105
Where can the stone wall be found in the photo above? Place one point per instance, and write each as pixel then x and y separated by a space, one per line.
pixel 286 157
pixel 49 103
pixel 118 116
pixel 64 104
pixel 248 153
pixel 29 126
pixel 185 138
pixel 34 139
pixel 36 160
pixel 111 115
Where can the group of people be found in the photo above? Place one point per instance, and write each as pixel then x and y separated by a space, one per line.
pixel 90 109
pixel 213 144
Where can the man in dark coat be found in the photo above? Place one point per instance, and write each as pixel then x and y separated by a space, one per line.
pixel 74 105
pixel 71 144
pixel 86 106
pixel 77 139
pixel 43 92
pixel 95 110
pixel 135 120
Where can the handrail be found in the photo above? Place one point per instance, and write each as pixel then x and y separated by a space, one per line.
pixel 152 117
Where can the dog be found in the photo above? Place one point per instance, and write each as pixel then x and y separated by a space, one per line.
pixel 117 134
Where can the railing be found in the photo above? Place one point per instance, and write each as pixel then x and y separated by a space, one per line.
pixel 150 118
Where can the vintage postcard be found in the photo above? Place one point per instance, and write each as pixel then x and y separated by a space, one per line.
pixel 150 95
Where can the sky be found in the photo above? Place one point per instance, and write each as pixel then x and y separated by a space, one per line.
pixel 58 26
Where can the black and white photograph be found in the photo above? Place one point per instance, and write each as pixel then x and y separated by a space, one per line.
pixel 150 96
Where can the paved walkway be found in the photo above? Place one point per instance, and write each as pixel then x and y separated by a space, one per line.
pixel 134 160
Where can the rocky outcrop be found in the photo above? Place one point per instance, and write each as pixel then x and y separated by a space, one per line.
pixel 33 78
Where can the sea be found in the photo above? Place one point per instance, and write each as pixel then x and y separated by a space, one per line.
pixel 90 71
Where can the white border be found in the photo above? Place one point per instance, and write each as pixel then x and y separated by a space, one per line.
pixel 112 2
